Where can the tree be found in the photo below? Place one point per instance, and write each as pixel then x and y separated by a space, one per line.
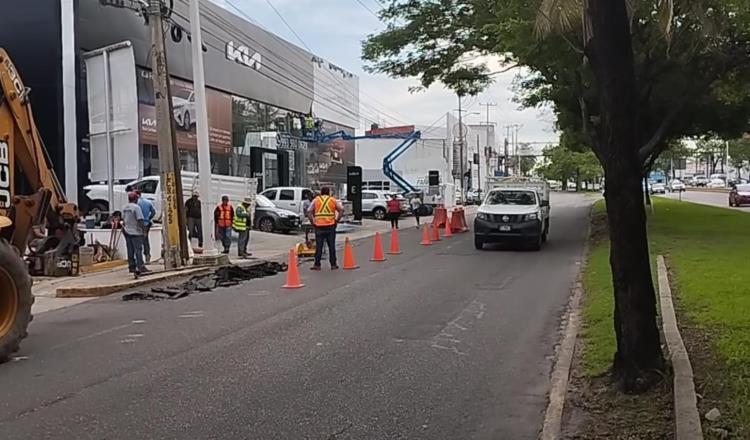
pixel 712 150
pixel 739 154
pixel 562 164
pixel 625 77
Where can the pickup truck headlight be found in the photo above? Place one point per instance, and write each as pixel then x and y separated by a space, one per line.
pixel 532 216
pixel 483 216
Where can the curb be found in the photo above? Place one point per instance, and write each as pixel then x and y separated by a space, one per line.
pixel 96 291
pixel 561 371
pixel 686 417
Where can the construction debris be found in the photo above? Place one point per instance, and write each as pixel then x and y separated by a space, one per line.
pixel 225 276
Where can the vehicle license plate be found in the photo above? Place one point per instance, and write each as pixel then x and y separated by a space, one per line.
pixel 505 228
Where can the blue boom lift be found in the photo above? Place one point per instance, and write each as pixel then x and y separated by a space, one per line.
pixel 408 139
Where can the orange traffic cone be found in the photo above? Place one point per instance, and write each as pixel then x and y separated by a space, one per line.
pixel 377 254
pixel 435 233
pixel 448 232
pixel 395 248
pixel 426 236
pixel 292 274
pixel 349 263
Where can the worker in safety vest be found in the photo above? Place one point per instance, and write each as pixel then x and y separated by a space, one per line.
pixel 223 218
pixel 324 213
pixel 241 225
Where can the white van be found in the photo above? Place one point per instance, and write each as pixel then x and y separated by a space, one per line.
pixel 289 197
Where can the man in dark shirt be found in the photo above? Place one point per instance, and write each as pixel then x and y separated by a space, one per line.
pixel 193 214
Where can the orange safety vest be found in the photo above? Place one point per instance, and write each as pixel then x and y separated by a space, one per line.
pixel 225 216
pixel 325 211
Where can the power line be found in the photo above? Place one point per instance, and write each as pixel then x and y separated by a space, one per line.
pixel 285 22
pixel 368 9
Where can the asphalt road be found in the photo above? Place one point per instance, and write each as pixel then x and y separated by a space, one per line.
pixel 441 342
pixel 707 198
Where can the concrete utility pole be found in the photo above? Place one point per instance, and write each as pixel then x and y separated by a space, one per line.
pixel 201 113
pixel 170 214
pixel 489 147
pixel 506 157
pixel 461 147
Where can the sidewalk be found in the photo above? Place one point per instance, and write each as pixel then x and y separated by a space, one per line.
pixel 56 293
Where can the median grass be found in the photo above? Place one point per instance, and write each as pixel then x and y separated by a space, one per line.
pixel 707 252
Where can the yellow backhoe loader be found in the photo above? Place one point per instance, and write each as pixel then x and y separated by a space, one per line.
pixel 38 232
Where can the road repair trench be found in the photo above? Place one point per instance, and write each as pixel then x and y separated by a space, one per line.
pixel 225 276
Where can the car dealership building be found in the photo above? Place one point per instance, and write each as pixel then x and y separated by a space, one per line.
pixel 259 89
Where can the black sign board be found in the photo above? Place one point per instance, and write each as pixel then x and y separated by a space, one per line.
pixel 433 178
pixel 354 190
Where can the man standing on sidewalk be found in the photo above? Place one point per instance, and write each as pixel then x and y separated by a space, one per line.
pixel 241 225
pixel 324 213
pixel 223 217
pixel 193 214
pixel 132 228
pixel 148 211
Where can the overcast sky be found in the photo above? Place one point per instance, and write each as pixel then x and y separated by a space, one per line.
pixel 334 29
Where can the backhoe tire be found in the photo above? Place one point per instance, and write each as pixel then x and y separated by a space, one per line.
pixel 15 300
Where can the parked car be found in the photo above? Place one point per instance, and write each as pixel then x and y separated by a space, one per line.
pixel 740 195
pixel 288 197
pixel 657 188
pixel 676 186
pixel 270 218
pixel 375 203
pixel 735 181
pixel 700 181
pixel 717 183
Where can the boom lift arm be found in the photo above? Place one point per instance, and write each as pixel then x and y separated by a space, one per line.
pixel 22 149
pixel 408 140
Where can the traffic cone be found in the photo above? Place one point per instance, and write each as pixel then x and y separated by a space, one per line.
pixel 349 263
pixel 448 232
pixel 395 248
pixel 426 236
pixel 435 233
pixel 377 254
pixel 292 273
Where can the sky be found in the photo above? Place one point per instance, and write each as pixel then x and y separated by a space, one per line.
pixel 334 30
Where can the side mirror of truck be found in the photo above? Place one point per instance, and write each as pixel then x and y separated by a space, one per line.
pixel 544 203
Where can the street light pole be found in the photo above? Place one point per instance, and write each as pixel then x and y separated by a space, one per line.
pixel 204 156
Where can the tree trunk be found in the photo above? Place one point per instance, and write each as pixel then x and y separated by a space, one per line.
pixel 610 51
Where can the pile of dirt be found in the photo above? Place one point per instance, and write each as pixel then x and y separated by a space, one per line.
pixel 225 276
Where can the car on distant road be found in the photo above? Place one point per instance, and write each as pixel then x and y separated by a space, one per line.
pixel 676 186
pixel 740 195
pixel 716 183
pixel 657 188
pixel 700 181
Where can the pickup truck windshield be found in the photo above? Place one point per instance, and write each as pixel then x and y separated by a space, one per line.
pixel 511 198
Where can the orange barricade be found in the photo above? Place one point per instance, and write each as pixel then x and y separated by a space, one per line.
pixel 458 221
pixel 440 217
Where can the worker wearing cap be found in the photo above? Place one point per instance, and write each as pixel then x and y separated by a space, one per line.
pixel 147 208
pixel 241 225
pixel 223 218
pixel 132 229
pixel 324 213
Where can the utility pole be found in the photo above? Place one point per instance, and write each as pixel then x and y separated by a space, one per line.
pixel 487 150
pixel 461 147
pixel 204 156
pixel 506 157
pixel 166 140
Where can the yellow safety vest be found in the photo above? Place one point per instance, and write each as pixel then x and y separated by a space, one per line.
pixel 239 223
pixel 325 211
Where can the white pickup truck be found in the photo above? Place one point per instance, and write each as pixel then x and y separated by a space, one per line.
pixel 237 188
pixel 514 209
